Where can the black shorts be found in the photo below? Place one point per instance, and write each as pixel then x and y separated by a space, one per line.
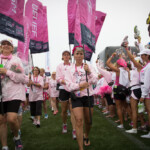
pixel 10 106
pixel 137 93
pixel 27 95
pixel 109 99
pixel 82 101
pixel 119 96
pixel 36 108
pixel 64 95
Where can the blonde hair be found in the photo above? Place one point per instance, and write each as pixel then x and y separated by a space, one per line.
pixel 79 49
pixel 53 72
pixel 42 69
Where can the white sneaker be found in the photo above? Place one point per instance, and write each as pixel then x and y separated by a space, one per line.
pixel 105 113
pixel 74 134
pixel 5 148
pixel 100 106
pixel 132 130
pixel 35 122
pixel 120 126
pixel 146 136
pixel 46 116
pixel 64 129
pixel 52 109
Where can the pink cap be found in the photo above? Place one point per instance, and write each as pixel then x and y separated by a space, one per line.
pixel 122 62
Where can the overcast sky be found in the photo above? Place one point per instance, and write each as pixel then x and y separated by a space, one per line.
pixel 122 16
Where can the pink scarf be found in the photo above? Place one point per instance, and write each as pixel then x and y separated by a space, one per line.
pixel 6 57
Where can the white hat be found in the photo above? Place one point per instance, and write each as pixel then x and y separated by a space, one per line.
pixel 145 51
pixel 8 40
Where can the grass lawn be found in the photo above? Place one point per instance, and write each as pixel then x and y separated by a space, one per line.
pixel 104 135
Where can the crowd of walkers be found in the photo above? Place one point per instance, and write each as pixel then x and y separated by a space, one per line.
pixel 120 89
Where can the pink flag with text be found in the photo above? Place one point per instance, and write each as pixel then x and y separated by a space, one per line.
pixel 11 18
pixel 99 20
pixel 34 11
pixel 72 8
pixel 85 23
pixel 23 47
pixel 45 30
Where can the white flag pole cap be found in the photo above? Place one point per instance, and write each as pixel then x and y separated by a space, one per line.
pixel 145 51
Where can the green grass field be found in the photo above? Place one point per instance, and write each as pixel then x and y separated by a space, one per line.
pixel 104 135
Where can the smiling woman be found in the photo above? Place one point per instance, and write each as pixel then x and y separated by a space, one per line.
pixel 13 76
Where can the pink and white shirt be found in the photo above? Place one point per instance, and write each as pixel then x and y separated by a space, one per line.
pixel 60 73
pixel 145 80
pixel 52 88
pixel 36 93
pixel 76 75
pixel 14 80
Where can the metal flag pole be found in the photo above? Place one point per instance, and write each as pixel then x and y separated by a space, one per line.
pixel 90 113
pixel 2 110
pixel 70 53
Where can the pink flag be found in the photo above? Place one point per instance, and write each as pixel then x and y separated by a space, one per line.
pixel 23 47
pixel 34 11
pixel 11 18
pixel 72 8
pixel 45 30
pixel 100 18
pixel 85 23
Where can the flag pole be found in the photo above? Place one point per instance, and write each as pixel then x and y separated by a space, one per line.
pixel 70 53
pixel 90 113
pixel 2 110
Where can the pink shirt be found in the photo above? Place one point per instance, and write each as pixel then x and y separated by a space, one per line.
pixel 14 80
pixel 134 79
pixel 52 88
pixel 73 79
pixel 61 71
pixel 36 93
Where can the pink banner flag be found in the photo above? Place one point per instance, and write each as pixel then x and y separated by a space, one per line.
pixel 23 47
pixel 34 11
pixel 72 8
pixel 45 30
pixel 100 18
pixel 11 18
pixel 85 23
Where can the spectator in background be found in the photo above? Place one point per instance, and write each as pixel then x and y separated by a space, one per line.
pixel 36 95
pixel 45 88
pixel 53 92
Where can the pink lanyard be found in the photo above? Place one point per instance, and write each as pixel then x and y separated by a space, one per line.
pixel 76 68
pixel 35 80
pixel 66 65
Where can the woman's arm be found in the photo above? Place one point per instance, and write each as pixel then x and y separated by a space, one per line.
pixel 110 65
pixel 46 86
pixel 136 64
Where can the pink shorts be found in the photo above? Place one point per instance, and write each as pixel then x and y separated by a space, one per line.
pixel 45 96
